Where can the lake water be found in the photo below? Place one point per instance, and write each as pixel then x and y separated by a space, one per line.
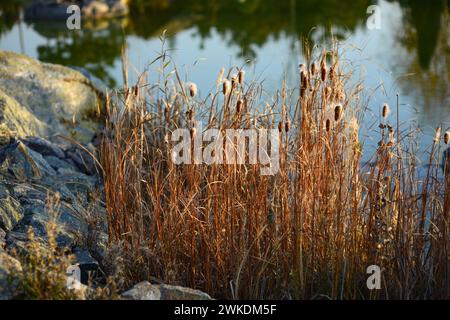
pixel 408 55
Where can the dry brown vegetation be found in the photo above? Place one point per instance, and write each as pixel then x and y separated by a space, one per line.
pixel 311 230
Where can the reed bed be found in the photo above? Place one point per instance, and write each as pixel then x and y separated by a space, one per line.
pixel 308 232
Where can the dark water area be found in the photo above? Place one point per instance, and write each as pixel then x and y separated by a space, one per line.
pixel 408 55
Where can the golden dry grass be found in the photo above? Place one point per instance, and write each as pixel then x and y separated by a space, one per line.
pixel 310 231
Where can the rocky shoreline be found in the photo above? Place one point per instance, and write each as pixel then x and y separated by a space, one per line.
pixel 48 136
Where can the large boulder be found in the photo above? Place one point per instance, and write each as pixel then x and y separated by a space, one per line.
pixel 42 99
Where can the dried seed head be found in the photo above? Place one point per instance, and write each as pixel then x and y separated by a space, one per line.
pixel 287 125
pixel 220 76
pixel 239 105
pixel 354 127
pixel 328 125
pixel 313 68
pixel 173 156
pixel 241 77
pixel 323 69
pixel 386 110
pixel 328 91
pixel 280 126
pixel 305 80
pixel 332 72
pixel 136 90
pixel 337 112
pixel 447 137
pixel 192 88
pixel 226 87
pixel 437 135
pixel 302 76
pixel 166 138
pixel 193 132
pixel 302 92
pixel 234 82
pixel 167 111
pixel 190 114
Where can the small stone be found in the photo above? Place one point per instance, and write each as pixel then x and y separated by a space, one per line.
pixel 169 292
pixel 142 291
pixel 146 291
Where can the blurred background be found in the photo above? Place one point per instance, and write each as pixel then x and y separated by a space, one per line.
pixel 409 55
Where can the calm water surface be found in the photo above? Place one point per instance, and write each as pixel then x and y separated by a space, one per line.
pixel 409 55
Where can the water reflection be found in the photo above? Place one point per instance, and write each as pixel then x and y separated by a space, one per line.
pixel 248 25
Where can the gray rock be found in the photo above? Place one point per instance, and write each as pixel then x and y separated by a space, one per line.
pixel 24 163
pixel 100 246
pixel 41 99
pixel 37 216
pixel 89 267
pixel 2 239
pixel 10 213
pixel 24 192
pixel 59 164
pixel 77 182
pixel 142 291
pixel 83 160
pixel 44 147
pixel 147 291
pixel 169 292
pixel 8 283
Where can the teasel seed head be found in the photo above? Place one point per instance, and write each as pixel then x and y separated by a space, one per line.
pixel 447 137
pixel 437 135
pixel 220 76
pixel 313 68
pixel 239 105
pixel 386 111
pixel 226 87
pixel 241 77
pixel 192 88
pixel 287 125
pixel 337 112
